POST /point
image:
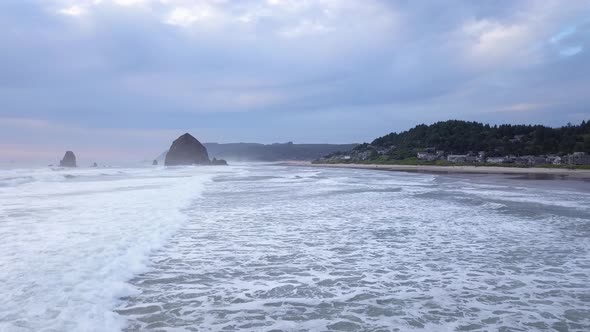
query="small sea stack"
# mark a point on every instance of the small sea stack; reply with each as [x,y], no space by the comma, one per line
[155,163]
[187,150]
[219,162]
[69,160]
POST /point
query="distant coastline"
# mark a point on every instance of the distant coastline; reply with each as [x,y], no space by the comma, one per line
[464,143]
[582,174]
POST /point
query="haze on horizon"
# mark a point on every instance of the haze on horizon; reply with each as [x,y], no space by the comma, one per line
[120,79]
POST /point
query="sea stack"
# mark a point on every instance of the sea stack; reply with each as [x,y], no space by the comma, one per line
[218,162]
[69,160]
[187,150]
[155,162]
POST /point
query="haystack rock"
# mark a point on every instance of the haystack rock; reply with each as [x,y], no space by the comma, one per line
[187,150]
[69,160]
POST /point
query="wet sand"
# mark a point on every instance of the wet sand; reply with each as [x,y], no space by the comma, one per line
[523,173]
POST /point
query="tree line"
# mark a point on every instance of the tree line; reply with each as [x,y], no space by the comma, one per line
[460,137]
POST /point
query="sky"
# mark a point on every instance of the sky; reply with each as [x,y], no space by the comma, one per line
[121,79]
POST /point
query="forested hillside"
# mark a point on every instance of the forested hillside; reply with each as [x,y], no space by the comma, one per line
[459,137]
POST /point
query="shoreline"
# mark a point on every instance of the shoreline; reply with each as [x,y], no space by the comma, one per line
[578,174]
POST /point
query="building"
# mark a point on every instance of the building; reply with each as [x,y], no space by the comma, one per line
[496,160]
[510,159]
[531,160]
[554,160]
[481,157]
[457,158]
[427,156]
[577,158]
[537,160]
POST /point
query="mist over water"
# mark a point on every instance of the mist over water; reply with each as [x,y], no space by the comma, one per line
[276,248]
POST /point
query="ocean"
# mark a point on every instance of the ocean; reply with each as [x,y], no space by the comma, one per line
[255,247]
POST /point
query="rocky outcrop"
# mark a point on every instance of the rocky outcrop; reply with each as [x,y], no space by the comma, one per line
[187,150]
[155,162]
[218,162]
[69,160]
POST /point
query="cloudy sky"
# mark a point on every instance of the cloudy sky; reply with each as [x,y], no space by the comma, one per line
[120,79]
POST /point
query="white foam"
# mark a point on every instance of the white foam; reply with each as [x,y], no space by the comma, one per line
[339,251]
[264,249]
[70,243]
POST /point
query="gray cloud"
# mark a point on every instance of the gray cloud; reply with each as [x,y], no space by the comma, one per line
[278,70]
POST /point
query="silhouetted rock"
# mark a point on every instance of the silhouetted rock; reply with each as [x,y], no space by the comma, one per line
[69,160]
[187,150]
[94,165]
[218,162]
[155,162]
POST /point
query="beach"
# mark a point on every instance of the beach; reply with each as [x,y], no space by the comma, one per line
[531,171]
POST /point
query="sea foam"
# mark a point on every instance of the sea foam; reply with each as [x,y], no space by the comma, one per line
[268,248]
[294,249]
[70,243]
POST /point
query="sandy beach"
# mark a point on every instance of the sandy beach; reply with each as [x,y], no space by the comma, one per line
[533,171]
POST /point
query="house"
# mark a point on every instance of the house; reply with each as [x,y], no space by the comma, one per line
[457,158]
[531,160]
[510,159]
[539,160]
[522,161]
[554,160]
[496,160]
[427,156]
[481,157]
[577,158]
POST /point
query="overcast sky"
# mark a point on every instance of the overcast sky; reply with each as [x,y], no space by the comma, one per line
[120,79]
